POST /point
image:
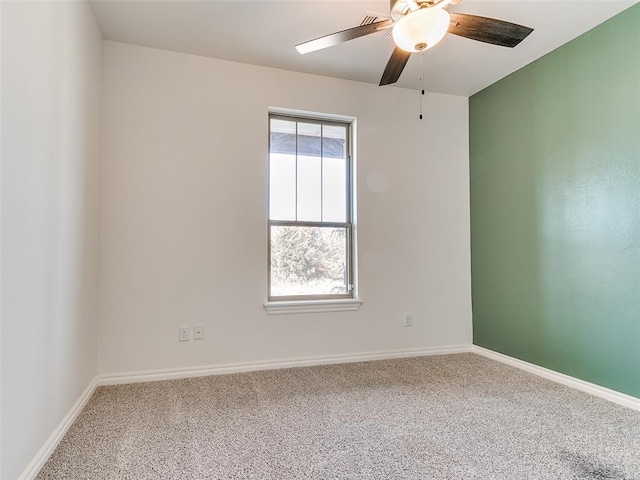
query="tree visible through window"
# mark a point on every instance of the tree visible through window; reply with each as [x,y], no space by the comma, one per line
[310,230]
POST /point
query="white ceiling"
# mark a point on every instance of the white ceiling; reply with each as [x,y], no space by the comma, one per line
[265,32]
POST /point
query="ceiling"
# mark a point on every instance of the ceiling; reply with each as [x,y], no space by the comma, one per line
[265,32]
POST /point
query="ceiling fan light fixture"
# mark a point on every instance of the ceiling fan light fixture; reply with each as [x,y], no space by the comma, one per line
[422,29]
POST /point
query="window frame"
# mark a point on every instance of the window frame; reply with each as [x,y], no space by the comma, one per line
[348,225]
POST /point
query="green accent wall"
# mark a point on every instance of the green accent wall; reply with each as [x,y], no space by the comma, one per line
[555,209]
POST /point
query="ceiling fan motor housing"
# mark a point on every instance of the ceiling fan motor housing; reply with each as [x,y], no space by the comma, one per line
[398,9]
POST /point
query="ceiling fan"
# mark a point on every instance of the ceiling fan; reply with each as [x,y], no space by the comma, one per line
[419,25]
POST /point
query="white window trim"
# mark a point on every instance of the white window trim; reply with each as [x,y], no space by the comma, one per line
[312,306]
[282,307]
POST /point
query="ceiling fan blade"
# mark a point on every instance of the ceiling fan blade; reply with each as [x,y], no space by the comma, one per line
[395,65]
[488,30]
[342,36]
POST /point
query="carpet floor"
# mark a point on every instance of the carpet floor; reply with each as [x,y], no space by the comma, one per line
[442,417]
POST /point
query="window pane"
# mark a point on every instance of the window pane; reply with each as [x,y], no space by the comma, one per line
[334,190]
[309,188]
[334,173]
[282,186]
[283,136]
[308,261]
[309,172]
[334,141]
[309,139]
[282,170]
[309,179]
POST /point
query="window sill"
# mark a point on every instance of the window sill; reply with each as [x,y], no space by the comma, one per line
[312,306]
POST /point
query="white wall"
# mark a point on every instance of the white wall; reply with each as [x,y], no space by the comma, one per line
[51,128]
[183,237]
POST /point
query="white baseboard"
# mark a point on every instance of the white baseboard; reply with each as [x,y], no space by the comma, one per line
[602,392]
[54,439]
[169,374]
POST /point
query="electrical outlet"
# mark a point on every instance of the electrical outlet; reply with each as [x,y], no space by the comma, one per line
[408,319]
[198,332]
[183,334]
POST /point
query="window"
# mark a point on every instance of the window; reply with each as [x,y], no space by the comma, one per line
[310,209]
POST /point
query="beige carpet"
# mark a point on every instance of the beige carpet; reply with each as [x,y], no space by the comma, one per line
[445,417]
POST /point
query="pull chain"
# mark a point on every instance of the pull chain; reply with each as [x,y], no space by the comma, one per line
[421,81]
